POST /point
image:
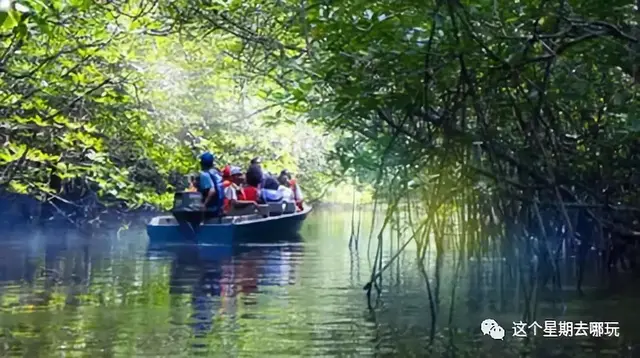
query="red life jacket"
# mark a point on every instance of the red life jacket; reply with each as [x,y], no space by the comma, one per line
[226,174]
[240,193]
[227,205]
[250,193]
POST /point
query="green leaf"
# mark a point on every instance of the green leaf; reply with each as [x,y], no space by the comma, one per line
[80,4]
[43,25]
[8,20]
[21,30]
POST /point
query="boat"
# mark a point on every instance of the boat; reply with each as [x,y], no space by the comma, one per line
[266,223]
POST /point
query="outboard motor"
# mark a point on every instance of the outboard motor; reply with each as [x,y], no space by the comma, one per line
[187,207]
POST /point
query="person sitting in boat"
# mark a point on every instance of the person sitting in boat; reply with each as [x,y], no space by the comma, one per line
[295,188]
[234,193]
[269,191]
[226,176]
[250,192]
[210,186]
[284,188]
[254,174]
[253,179]
[193,183]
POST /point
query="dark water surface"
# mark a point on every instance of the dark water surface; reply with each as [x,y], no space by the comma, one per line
[115,294]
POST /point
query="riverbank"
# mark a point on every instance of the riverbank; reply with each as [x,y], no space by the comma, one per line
[19,210]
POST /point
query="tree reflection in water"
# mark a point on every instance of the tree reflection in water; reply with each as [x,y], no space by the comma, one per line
[217,277]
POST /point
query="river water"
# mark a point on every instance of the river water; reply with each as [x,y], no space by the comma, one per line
[113,293]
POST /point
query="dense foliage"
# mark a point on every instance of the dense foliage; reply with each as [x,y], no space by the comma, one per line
[536,101]
[516,119]
[98,104]
[524,110]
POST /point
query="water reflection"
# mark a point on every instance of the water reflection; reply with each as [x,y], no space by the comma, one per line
[217,277]
[112,293]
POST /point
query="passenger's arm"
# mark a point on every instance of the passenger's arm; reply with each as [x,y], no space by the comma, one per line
[244,202]
[207,183]
[209,198]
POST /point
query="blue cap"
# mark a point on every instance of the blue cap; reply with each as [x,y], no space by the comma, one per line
[207,158]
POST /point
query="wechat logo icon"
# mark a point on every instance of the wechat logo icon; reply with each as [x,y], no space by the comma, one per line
[492,328]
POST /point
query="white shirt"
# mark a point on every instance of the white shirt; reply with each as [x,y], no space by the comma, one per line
[230,193]
[287,194]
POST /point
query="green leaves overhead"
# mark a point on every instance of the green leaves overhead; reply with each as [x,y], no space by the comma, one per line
[109,94]
[548,89]
[545,87]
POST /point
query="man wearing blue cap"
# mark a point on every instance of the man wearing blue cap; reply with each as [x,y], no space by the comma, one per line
[210,186]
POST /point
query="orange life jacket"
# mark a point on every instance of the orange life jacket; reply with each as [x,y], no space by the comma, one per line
[240,195]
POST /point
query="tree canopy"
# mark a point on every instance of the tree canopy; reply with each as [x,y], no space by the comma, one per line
[96,99]
[536,101]
[533,101]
